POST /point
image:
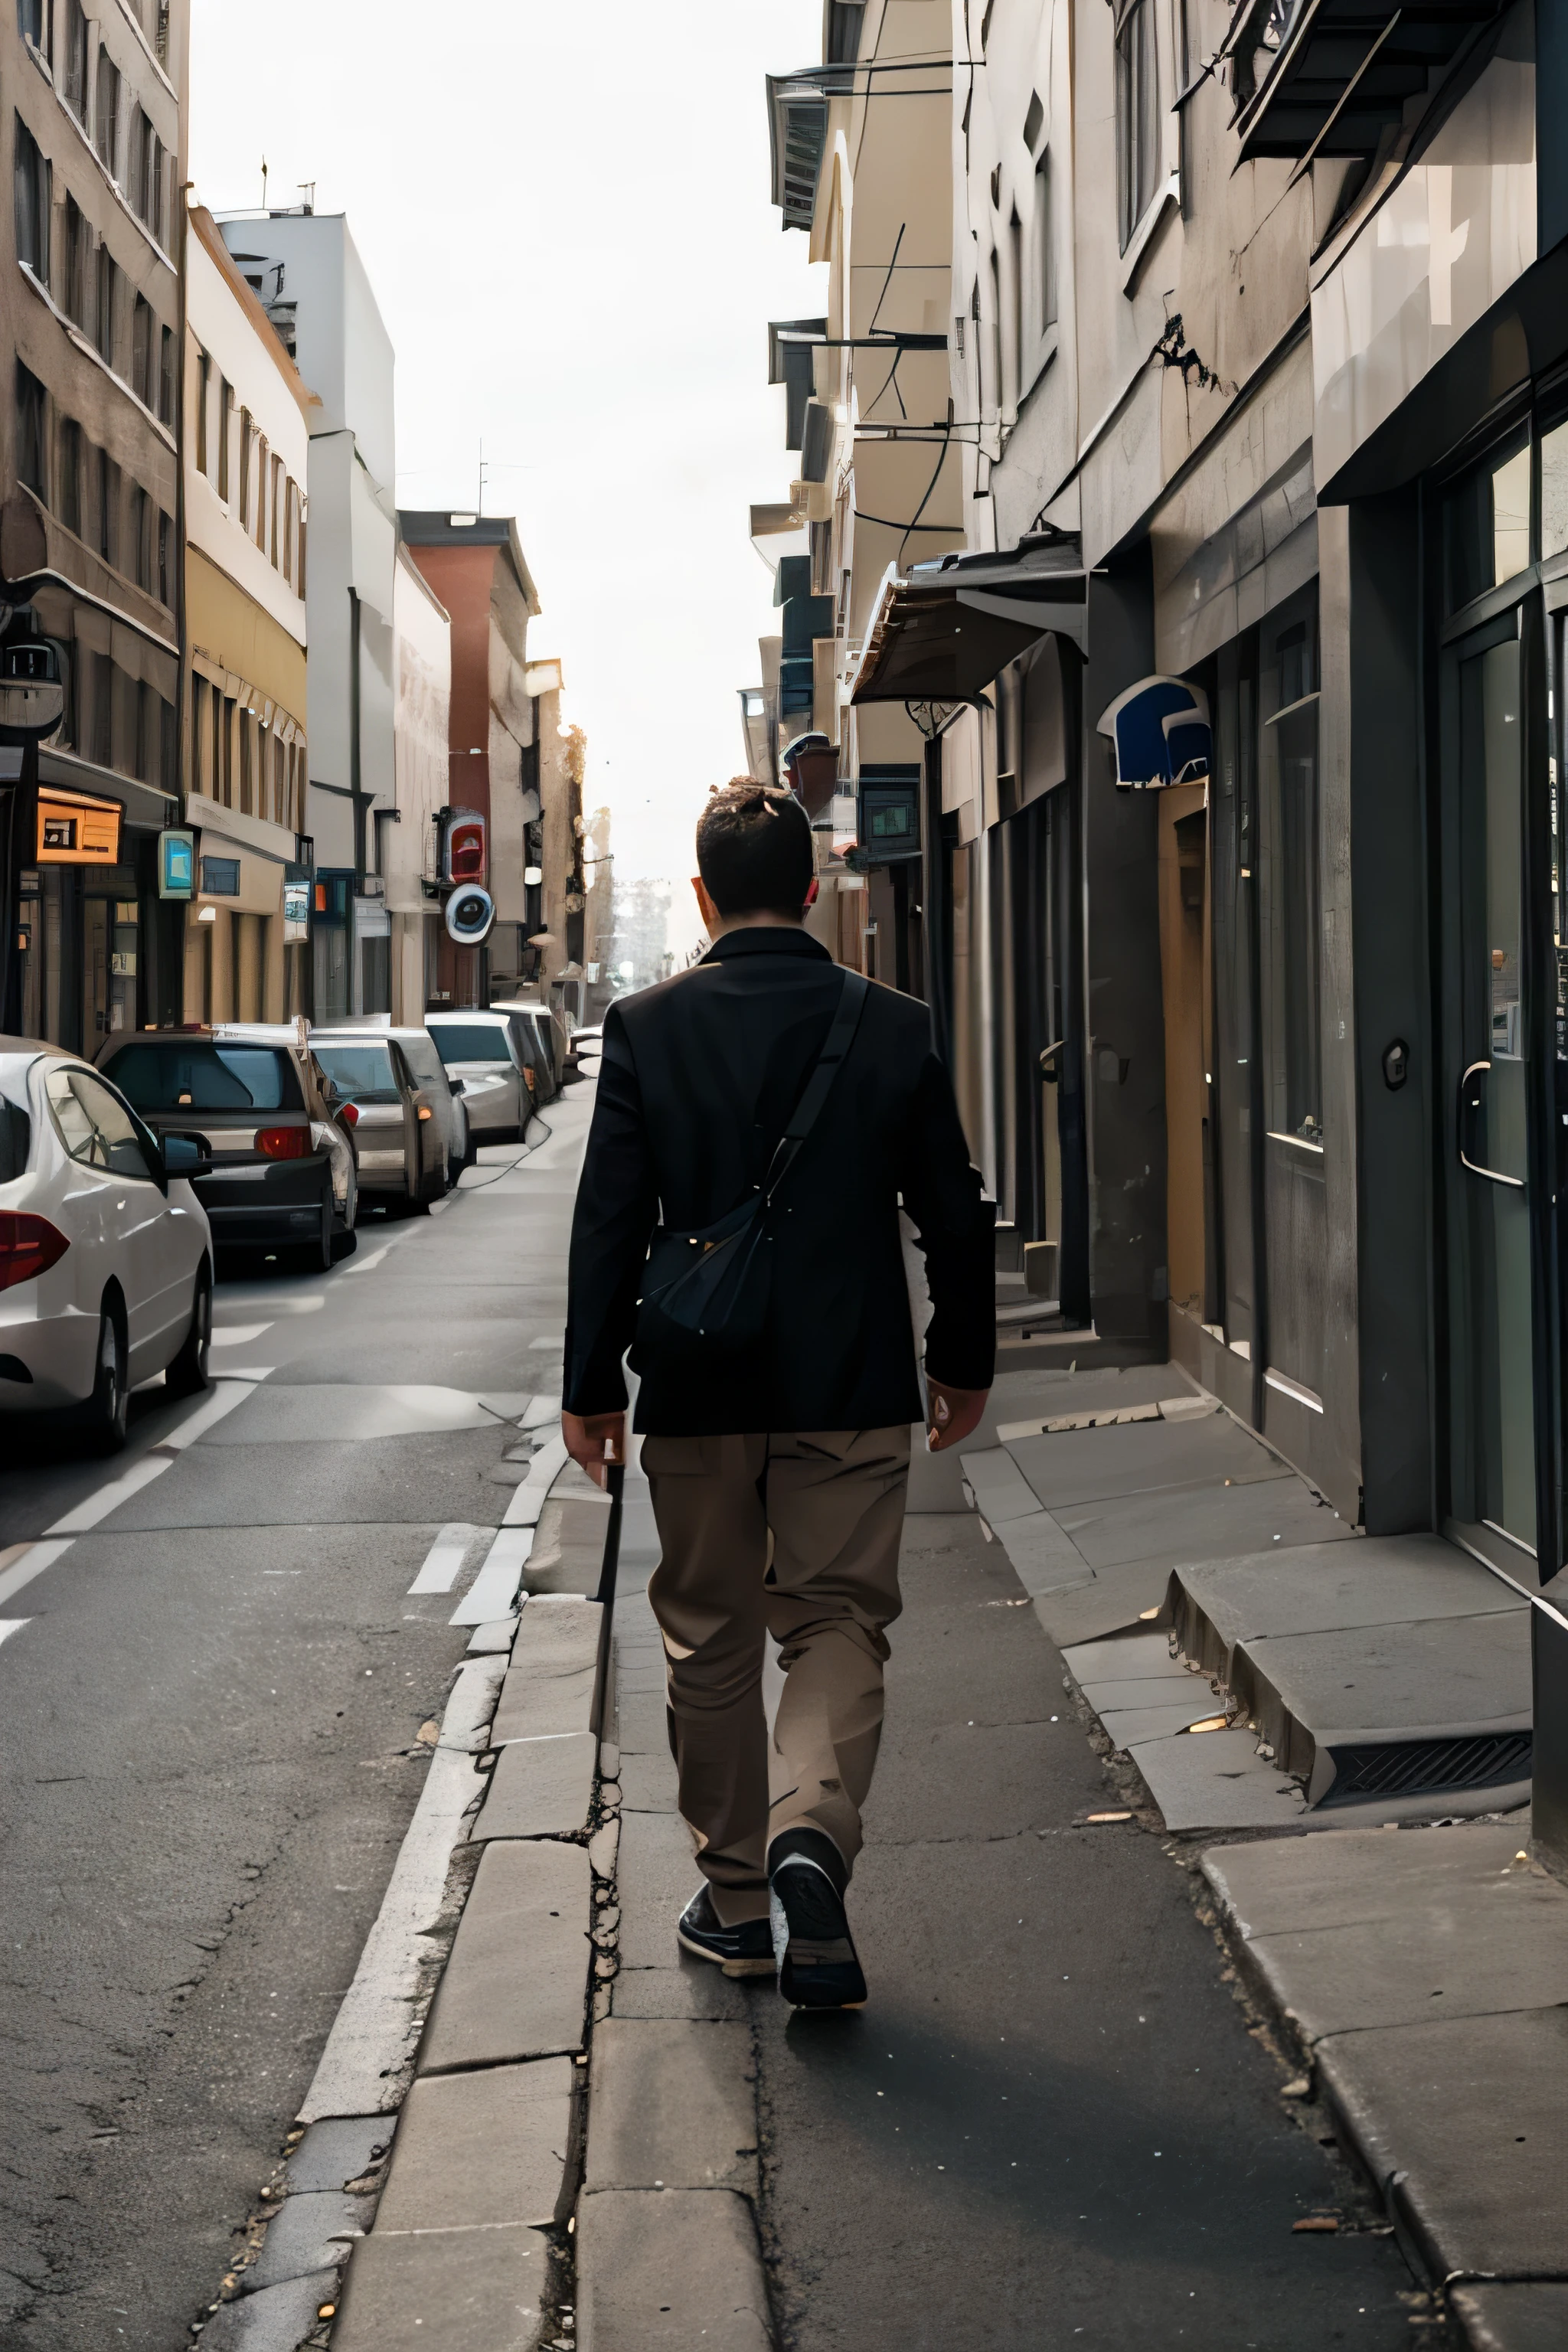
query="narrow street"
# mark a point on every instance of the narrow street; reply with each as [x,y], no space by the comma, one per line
[209,1746]
[1055,2124]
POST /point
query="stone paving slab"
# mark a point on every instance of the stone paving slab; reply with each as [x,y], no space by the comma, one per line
[1128,1726]
[308,2234]
[1112,1597]
[1133,1658]
[1357,1683]
[1522,2316]
[481,2150]
[1203,1523]
[539,1788]
[462,2290]
[671,2106]
[1218,1783]
[1044,1561]
[1068,1466]
[647,1783]
[666,2270]
[1176,1688]
[1385,1581]
[499,1634]
[333,2153]
[1000,1488]
[516,1983]
[549,1686]
[1376,1927]
[276,2320]
[1465,2127]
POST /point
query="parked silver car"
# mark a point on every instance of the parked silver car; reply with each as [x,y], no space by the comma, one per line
[399,1123]
[494,1056]
[542,1025]
[106,1273]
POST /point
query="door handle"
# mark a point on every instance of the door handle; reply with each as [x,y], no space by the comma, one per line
[1472,1107]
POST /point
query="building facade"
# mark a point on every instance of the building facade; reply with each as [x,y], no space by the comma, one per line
[474,565]
[305,271]
[421,751]
[90,172]
[245,765]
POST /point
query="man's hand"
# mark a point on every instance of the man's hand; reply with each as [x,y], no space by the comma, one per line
[954,1413]
[595,1441]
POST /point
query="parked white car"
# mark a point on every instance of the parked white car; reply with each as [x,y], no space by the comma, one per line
[105,1255]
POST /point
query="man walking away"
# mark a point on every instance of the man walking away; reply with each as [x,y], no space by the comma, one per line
[760,1118]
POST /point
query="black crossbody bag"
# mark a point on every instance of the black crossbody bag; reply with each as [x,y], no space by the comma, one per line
[705,1294]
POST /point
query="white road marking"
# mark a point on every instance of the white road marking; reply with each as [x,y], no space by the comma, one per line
[147,1466]
[28,1560]
[444,1561]
[9,1625]
[528,1500]
[541,1410]
[238,1335]
[494,1590]
[369,2049]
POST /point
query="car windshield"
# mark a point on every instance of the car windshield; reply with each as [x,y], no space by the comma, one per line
[359,1072]
[470,1041]
[201,1077]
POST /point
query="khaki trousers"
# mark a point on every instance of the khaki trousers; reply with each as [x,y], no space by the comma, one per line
[797,1535]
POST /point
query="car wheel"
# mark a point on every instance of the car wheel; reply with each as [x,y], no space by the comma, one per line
[189,1374]
[102,1418]
[343,1244]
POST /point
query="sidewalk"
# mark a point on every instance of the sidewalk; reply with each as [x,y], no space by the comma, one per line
[1144,2062]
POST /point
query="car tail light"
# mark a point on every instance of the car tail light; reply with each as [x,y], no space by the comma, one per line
[29,1245]
[283,1142]
[349,1114]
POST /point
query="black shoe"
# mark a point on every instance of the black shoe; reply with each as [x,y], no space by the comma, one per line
[743,1951]
[818,1967]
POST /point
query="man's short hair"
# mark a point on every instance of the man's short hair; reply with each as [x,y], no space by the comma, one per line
[753,849]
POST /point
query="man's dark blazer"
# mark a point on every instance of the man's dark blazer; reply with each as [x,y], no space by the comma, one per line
[698,1080]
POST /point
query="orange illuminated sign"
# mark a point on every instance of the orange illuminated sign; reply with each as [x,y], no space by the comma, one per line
[75,830]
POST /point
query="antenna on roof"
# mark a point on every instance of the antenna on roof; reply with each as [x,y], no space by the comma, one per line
[308,189]
[263,183]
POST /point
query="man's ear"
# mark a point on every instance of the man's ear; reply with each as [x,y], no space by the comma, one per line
[811,893]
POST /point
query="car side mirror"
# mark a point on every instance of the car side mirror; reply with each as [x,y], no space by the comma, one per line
[187,1155]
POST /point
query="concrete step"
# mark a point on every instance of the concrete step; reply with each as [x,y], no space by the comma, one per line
[1385,1671]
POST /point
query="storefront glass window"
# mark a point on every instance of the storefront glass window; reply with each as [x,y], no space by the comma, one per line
[1293,897]
[1485,525]
[1554,491]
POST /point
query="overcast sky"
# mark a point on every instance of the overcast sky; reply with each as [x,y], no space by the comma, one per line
[565,213]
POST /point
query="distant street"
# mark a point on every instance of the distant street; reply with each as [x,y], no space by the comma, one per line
[208,1740]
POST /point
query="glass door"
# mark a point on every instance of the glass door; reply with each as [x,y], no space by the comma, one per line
[1489,1022]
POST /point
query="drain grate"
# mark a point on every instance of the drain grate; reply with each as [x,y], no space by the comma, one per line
[1416,1768]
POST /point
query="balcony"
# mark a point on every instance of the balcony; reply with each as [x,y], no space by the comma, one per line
[1330,77]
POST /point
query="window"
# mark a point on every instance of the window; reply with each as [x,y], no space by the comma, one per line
[204,394]
[141,537]
[32,19]
[225,431]
[106,326]
[1137,114]
[206,1077]
[247,764]
[74,74]
[244,433]
[1045,259]
[100,721]
[32,458]
[32,173]
[844,21]
[106,118]
[136,160]
[168,748]
[77,260]
[1485,524]
[108,509]
[142,350]
[276,505]
[259,530]
[94,1126]
[1291,903]
[166,375]
[164,528]
[71,475]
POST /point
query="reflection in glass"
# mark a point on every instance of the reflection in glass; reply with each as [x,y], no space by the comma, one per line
[1554,491]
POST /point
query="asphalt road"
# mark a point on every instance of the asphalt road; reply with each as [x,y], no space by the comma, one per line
[208,1750]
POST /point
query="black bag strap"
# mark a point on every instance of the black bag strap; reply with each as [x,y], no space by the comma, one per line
[852,999]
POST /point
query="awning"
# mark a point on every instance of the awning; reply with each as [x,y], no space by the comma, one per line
[1336,74]
[944,630]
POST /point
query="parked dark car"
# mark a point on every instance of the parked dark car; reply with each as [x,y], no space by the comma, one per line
[282,1173]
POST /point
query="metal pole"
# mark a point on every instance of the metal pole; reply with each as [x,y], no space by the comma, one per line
[615,1480]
